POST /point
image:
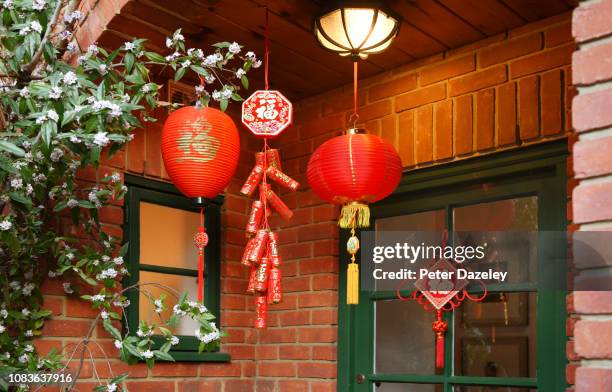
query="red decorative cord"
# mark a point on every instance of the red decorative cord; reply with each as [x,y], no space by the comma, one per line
[267,48]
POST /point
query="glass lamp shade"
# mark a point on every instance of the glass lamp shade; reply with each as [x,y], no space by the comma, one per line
[356,31]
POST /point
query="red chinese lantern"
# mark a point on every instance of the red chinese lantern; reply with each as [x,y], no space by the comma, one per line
[200,149]
[354,170]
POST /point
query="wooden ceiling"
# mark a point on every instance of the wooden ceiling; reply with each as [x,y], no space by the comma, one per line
[298,65]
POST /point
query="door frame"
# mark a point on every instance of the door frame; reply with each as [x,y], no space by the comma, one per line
[547,160]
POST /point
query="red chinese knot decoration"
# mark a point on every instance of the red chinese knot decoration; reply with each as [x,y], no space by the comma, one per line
[200,148]
[267,113]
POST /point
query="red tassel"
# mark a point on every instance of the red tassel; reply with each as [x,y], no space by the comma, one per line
[439,327]
[201,240]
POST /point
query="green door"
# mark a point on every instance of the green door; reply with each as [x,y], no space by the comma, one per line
[513,341]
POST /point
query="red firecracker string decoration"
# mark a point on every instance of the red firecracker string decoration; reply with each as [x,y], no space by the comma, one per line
[200,149]
[266,114]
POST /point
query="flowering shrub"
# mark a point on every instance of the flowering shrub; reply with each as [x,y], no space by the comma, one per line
[58,116]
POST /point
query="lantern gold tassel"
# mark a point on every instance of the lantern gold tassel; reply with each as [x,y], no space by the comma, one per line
[352,275]
[354,214]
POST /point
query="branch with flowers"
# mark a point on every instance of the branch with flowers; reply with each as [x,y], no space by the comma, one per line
[58,117]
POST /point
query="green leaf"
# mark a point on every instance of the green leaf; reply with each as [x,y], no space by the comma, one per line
[112,330]
[165,331]
[223,104]
[124,249]
[245,82]
[129,61]
[10,147]
[179,74]
[222,44]
[20,198]
[199,70]
[120,379]
[86,204]
[60,206]
[162,355]
[132,350]
[155,57]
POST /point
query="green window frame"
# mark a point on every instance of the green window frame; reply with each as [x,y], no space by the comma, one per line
[140,190]
[538,170]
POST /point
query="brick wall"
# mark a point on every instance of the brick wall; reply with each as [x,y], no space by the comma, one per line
[499,93]
[590,349]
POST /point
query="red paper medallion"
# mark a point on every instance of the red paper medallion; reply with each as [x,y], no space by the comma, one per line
[267,113]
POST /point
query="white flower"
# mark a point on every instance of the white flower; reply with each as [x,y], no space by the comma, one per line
[147,354]
[29,189]
[185,64]
[56,154]
[28,288]
[29,348]
[118,260]
[216,95]
[118,344]
[74,16]
[35,26]
[105,258]
[169,42]
[112,387]
[178,311]
[75,139]
[174,341]
[25,312]
[23,358]
[103,69]
[159,305]
[93,49]
[69,78]
[70,256]
[104,314]
[81,60]
[101,139]
[250,55]
[17,183]
[67,287]
[207,338]
[234,48]
[29,333]
[52,274]
[65,35]
[8,4]
[52,115]
[72,46]
[129,46]
[210,60]
[55,93]
[226,93]
[108,273]
[2,328]
[116,177]
[98,298]
[5,225]
[202,308]
[256,64]
[3,313]
[240,73]
[15,285]
[39,5]
[210,79]
[24,92]
[146,88]
[178,36]
[200,89]
[72,203]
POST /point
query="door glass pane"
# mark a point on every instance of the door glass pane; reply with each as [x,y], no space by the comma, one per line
[480,388]
[395,387]
[404,340]
[508,230]
[186,326]
[424,221]
[497,337]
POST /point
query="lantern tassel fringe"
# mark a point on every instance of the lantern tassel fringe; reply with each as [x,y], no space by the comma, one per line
[352,284]
[354,213]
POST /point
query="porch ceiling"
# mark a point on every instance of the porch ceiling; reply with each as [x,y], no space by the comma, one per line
[299,66]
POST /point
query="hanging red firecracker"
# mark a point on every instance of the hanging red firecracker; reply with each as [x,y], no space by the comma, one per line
[266,114]
[439,296]
[200,149]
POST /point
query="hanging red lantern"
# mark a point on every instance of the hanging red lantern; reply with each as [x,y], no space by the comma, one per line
[354,170]
[200,149]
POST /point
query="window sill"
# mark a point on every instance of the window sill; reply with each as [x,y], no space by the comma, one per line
[194,356]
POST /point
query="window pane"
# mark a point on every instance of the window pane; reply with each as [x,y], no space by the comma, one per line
[395,387]
[179,283]
[404,339]
[423,221]
[166,236]
[479,388]
[497,337]
[509,214]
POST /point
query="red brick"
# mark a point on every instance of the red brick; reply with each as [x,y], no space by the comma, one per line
[510,49]
[327,212]
[284,335]
[592,111]
[506,114]
[200,386]
[393,87]
[341,101]
[592,20]
[324,353]
[477,80]
[593,302]
[406,138]
[111,214]
[389,130]
[375,110]
[232,369]
[317,370]
[153,164]
[318,299]
[557,35]
[424,134]
[293,386]
[276,369]
[542,61]
[323,386]
[552,102]
[76,307]
[591,65]
[150,386]
[296,284]
[592,157]
[319,265]
[325,282]
[325,247]
[325,317]
[238,319]
[296,251]
[117,160]
[66,328]
[570,373]
[591,202]
[266,352]
[166,369]
[593,339]
[321,126]
[485,119]
[294,352]
[420,97]
[592,379]
[118,367]
[443,130]
[463,125]
[447,70]
[44,346]
[528,105]
[317,335]
[55,304]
